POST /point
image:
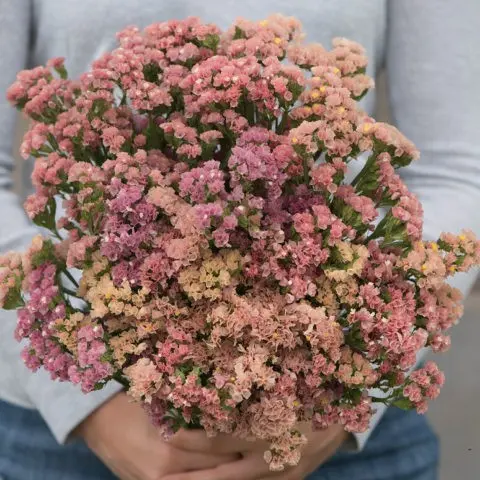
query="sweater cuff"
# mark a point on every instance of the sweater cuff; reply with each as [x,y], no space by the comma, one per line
[62,405]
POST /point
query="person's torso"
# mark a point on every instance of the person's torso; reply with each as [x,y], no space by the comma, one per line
[81,30]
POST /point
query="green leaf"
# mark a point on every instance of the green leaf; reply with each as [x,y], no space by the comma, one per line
[180,373]
[107,357]
[155,136]
[211,41]
[386,297]
[242,289]
[151,72]
[21,102]
[239,33]
[296,90]
[353,394]
[53,141]
[46,254]
[444,245]
[354,338]
[357,98]
[99,107]
[46,219]
[62,71]
[294,235]
[403,403]
[243,222]
[13,299]
[286,261]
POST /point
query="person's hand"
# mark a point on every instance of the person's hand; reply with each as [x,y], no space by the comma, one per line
[320,447]
[122,436]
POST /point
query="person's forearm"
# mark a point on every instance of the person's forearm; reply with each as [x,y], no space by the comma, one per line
[62,405]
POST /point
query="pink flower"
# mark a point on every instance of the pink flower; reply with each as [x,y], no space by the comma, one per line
[221,237]
[204,182]
[56,62]
[322,176]
[145,379]
[35,205]
[77,251]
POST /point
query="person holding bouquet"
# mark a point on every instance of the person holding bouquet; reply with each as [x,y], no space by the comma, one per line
[432,80]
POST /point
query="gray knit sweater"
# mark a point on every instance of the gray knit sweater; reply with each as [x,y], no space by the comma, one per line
[430,49]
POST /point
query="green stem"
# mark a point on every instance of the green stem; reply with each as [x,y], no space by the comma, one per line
[378,232]
[57,234]
[306,171]
[120,379]
[250,112]
[70,277]
[381,400]
[70,292]
[365,169]
[283,123]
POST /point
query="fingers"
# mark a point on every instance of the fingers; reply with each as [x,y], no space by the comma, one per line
[192,440]
[290,475]
[252,467]
[197,441]
[198,460]
[312,460]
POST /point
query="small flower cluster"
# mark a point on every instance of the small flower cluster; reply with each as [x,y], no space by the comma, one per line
[423,385]
[231,278]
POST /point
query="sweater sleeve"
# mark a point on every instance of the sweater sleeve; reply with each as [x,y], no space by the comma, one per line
[62,405]
[433,69]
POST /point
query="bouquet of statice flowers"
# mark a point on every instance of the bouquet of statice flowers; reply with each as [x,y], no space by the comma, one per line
[230,276]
